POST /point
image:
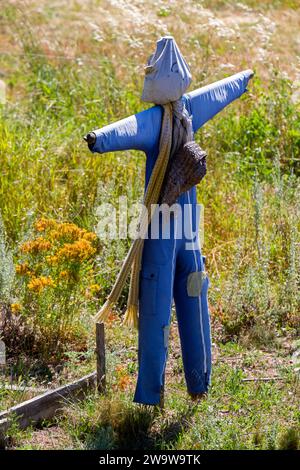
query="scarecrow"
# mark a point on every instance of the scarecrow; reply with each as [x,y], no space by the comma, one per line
[166,268]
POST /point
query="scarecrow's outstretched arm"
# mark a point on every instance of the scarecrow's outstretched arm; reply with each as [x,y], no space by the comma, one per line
[137,132]
[207,101]
[141,131]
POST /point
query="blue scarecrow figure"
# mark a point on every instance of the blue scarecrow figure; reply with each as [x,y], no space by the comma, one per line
[171,267]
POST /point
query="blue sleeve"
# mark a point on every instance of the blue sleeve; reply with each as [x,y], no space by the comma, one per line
[206,102]
[138,132]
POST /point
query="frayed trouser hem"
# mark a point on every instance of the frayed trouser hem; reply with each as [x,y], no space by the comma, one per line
[150,398]
[146,401]
[201,387]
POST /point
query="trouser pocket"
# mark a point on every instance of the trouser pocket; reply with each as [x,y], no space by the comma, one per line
[195,282]
[148,289]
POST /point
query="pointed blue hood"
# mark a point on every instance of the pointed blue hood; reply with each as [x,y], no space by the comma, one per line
[167,75]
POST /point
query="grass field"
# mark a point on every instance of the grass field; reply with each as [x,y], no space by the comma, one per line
[70,67]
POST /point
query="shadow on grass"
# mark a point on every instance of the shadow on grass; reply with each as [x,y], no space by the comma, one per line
[136,428]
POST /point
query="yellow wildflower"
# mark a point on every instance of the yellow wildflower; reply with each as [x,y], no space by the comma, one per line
[42,224]
[54,234]
[16,308]
[90,236]
[52,259]
[37,284]
[70,230]
[34,246]
[124,382]
[94,288]
[22,269]
[79,250]
[64,274]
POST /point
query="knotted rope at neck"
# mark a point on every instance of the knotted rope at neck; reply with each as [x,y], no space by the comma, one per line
[170,141]
[182,126]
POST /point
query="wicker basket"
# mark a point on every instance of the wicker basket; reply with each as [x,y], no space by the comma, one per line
[185,170]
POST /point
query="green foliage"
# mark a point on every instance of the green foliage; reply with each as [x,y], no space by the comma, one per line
[251,196]
[254,157]
[264,136]
[7,271]
[289,440]
[55,286]
[235,415]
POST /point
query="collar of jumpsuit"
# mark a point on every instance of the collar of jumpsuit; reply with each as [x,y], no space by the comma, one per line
[169,269]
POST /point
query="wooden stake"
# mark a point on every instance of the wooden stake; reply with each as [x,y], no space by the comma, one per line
[100,352]
[3,427]
[162,398]
[162,393]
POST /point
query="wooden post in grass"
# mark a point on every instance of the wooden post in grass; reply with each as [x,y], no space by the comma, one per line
[100,352]
[162,398]
[162,394]
[2,358]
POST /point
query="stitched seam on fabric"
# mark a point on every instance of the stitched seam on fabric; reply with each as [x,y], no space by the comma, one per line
[173,259]
[166,335]
[173,267]
[199,298]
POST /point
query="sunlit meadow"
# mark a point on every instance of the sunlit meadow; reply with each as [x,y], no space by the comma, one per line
[71,67]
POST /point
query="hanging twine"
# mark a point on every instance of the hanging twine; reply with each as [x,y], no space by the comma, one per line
[134,256]
[176,130]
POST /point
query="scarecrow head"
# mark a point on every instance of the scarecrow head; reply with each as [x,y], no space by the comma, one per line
[167,75]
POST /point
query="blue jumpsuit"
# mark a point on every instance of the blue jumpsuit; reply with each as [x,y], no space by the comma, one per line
[170,270]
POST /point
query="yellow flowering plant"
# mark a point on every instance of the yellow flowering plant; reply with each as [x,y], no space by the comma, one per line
[56,277]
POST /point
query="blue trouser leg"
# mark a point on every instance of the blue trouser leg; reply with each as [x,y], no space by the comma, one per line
[156,285]
[190,295]
[166,269]
[155,301]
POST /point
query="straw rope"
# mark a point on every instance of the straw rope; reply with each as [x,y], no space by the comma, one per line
[133,259]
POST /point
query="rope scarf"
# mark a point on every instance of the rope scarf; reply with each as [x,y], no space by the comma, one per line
[182,126]
[176,129]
